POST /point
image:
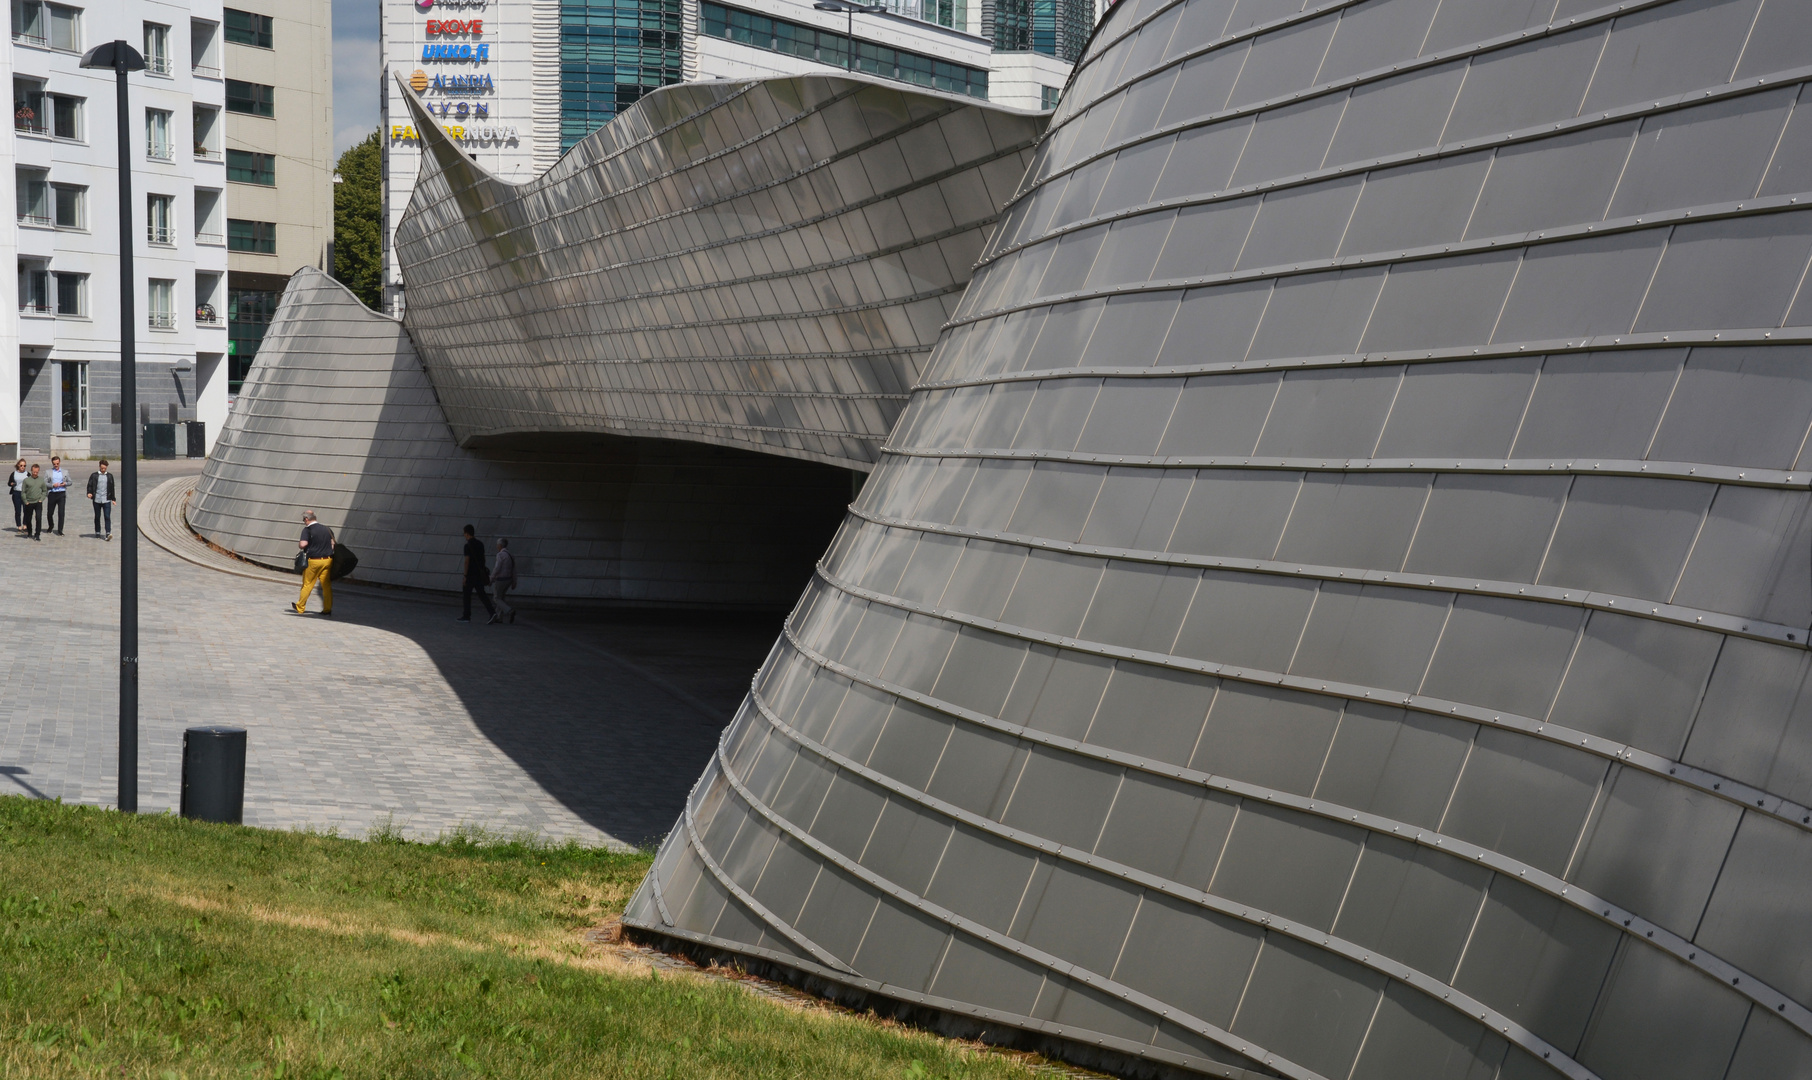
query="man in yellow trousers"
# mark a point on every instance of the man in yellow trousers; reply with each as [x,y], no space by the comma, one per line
[317,544]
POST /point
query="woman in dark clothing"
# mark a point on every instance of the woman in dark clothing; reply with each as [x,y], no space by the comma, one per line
[15,483]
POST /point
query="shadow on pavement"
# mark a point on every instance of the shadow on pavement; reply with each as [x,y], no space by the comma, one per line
[614,713]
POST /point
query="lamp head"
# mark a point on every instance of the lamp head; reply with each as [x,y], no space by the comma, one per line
[114,54]
[821,5]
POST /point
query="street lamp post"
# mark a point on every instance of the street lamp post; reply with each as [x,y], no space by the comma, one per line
[123,58]
[850,10]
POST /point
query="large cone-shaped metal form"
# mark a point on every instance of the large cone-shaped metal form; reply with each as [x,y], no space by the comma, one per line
[1336,605]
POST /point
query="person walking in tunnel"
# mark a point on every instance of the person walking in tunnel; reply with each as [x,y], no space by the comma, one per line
[104,493]
[473,577]
[317,544]
[503,579]
[35,490]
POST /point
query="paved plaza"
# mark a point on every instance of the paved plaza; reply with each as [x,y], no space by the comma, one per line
[569,724]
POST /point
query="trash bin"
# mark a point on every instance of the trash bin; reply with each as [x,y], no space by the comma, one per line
[160,441]
[198,438]
[213,774]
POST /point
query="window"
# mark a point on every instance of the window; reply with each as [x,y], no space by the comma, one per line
[34,288]
[259,237]
[72,294]
[205,123]
[253,99]
[160,220]
[47,25]
[1049,96]
[34,197]
[66,117]
[207,217]
[160,311]
[206,285]
[30,107]
[246,167]
[249,314]
[157,49]
[157,135]
[246,28]
[203,59]
[826,47]
[74,387]
[71,205]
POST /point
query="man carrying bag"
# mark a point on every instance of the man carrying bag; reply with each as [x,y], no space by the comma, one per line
[314,557]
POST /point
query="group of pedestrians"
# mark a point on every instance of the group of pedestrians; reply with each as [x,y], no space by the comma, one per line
[317,546]
[39,495]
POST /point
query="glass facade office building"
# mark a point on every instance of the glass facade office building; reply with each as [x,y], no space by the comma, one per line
[612,53]
[1057,28]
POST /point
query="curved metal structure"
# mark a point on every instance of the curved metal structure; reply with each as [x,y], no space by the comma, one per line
[1336,605]
[762,264]
[338,416]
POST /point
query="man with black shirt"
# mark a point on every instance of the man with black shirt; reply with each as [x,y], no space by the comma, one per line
[101,489]
[473,577]
[317,544]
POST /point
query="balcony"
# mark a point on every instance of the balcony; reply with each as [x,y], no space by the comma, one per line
[204,71]
[161,320]
[27,38]
[158,65]
[160,234]
[205,315]
[157,151]
[207,153]
[43,221]
[37,309]
[211,239]
[27,121]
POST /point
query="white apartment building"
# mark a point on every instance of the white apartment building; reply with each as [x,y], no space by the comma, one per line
[517,82]
[60,345]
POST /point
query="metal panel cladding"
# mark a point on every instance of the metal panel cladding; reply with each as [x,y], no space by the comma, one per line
[337,416]
[763,265]
[1336,604]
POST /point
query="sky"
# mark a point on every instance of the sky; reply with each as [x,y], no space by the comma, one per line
[355,72]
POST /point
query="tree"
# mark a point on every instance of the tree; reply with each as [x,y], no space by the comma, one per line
[358,208]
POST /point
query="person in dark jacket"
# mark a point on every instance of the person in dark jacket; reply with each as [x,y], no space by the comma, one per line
[103,491]
[36,490]
[473,578]
[15,483]
[317,543]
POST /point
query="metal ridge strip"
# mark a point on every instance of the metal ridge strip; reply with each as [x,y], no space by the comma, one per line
[1555,887]
[1519,136]
[779,925]
[1791,335]
[1655,222]
[960,1008]
[1680,615]
[1480,48]
[1740,476]
[1157,1009]
[1710,783]
[1433,988]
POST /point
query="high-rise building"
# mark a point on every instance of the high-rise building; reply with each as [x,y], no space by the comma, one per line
[279,159]
[518,82]
[61,349]
[231,122]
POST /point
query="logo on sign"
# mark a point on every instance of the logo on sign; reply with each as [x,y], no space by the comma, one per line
[425,6]
[462,84]
[418,80]
[475,53]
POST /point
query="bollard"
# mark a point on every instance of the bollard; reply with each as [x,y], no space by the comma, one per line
[213,774]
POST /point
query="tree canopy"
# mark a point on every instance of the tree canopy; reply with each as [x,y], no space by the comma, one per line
[358,208]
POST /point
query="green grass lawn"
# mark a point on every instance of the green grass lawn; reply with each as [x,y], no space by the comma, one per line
[153,947]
